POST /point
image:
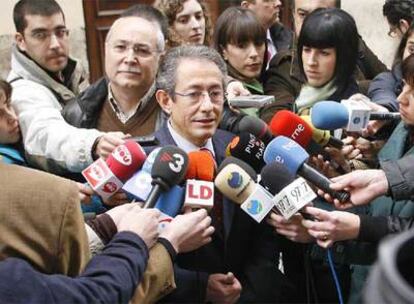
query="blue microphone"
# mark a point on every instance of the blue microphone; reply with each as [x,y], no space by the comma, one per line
[329,115]
[139,185]
[170,204]
[289,153]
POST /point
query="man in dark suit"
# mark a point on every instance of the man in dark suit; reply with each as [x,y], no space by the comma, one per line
[241,261]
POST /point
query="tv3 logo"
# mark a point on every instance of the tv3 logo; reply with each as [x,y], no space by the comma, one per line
[176,161]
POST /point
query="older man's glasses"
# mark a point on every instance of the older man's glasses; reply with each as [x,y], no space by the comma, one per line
[196,97]
[139,50]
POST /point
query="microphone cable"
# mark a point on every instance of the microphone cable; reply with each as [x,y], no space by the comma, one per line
[334,275]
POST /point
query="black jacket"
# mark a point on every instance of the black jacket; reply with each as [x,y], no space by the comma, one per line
[81,111]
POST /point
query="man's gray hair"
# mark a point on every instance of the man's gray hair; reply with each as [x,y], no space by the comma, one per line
[167,72]
[150,14]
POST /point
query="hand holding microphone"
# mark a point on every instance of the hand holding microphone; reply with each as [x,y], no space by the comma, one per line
[189,231]
[107,178]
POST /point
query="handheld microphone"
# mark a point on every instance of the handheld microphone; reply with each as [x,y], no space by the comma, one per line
[323,137]
[247,148]
[170,204]
[257,127]
[291,125]
[351,115]
[149,162]
[106,178]
[139,185]
[200,174]
[275,177]
[290,194]
[201,165]
[237,185]
[294,157]
[169,169]
[232,160]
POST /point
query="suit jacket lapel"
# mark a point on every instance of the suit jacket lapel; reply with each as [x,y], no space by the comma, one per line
[228,206]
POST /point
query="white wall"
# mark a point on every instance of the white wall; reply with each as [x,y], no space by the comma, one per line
[373,27]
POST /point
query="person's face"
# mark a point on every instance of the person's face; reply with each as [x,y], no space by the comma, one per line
[305,7]
[246,59]
[131,54]
[9,125]
[267,11]
[319,65]
[190,23]
[45,40]
[406,101]
[196,119]
[409,47]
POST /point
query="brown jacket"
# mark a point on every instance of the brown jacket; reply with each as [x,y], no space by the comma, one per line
[41,221]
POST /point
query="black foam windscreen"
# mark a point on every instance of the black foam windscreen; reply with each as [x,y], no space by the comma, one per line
[257,127]
[169,166]
[232,160]
[275,177]
[249,149]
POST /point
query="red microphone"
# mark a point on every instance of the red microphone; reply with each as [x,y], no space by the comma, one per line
[106,178]
[291,125]
[200,174]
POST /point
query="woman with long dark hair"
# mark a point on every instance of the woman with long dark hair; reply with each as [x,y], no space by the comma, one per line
[327,53]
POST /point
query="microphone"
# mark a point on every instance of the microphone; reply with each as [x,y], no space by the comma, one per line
[201,165]
[294,157]
[290,194]
[149,162]
[170,204]
[384,116]
[275,177]
[349,114]
[248,148]
[169,168]
[139,185]
[257,127]
[291,125]
[238,186]
[106,178]
[200,174]
[323,137]
[232,160]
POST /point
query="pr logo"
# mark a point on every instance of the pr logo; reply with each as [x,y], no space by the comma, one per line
[234,180]
[254,207]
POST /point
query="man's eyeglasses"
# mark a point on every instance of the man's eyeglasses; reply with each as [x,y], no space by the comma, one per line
[44,35]
[216,96]
[138,50]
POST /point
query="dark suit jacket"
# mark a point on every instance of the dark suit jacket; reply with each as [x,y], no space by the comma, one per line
[247,249]
[282,37]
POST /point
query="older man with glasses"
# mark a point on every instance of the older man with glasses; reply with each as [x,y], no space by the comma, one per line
[239,265]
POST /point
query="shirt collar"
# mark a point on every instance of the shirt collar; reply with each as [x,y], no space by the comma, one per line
[124,117]
[185,144]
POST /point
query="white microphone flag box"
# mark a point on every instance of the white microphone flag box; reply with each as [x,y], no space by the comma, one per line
[101,179]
